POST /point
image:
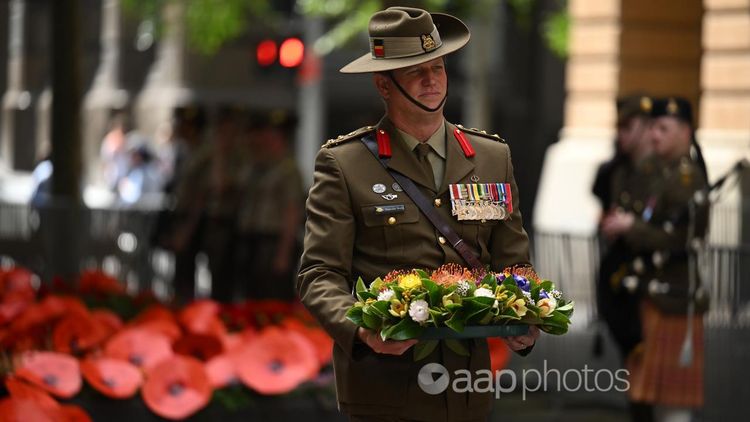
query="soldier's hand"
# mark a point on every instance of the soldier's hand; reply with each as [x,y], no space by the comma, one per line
[617,223]
[387,347]
[517,343]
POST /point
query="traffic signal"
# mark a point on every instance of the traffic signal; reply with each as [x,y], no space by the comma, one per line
[289,53]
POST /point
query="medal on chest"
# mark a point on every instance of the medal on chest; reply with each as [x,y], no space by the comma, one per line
[481,201]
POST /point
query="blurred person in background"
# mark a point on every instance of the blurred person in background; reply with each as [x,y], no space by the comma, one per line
[113,154]
[218,191]
[142,182]
[618,190]
[178,228]
[270,216]
[666,367]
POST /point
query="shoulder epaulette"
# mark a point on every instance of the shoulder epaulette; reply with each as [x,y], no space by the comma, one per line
[482,133]
[348,137]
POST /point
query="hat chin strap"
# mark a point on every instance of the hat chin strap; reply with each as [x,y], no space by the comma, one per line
[415,102]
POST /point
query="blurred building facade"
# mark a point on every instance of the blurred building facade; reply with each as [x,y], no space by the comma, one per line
[690,48]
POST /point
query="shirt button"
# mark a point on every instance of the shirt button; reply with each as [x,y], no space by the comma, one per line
[442,240]
[438,202]
[391,220]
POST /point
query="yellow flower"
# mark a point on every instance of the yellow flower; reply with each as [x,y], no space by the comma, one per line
[519,307]
[546,306]
[409,281]
[398,309]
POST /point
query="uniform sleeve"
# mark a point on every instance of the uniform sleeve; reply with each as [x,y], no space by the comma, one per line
[323,282]
[509,244]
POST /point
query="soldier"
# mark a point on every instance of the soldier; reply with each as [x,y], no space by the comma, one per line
[270,215]
[619,190]
[666,369]
[361,222]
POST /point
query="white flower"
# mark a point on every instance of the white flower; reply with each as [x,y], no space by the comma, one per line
[527,295]
[546,306]
[483,292]
[386,295]
[556,294]
[419,311]
[462,288]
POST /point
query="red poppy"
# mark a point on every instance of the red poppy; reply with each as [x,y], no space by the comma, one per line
[276,361]
[166,327]
[25,410]
[499,353]
[22,390]
[95,281]
[232,341]
[320,339]
[155,311]
[18,282]
[56,373]
[199,346]
[56,306]
[112,377]
[11,309]
[221,370]
[77,333]
[108,320]
[142,348]
[177,388]
[202,317]
[73,413]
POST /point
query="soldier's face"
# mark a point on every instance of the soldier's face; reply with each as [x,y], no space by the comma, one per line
[670,136]
[426,83]
[631,135]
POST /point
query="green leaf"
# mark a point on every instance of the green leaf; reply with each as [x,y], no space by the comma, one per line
[567,307]
[422,274]
[433,290]
[376,286]
[547,285]
[424,348]
[490,280]
[457,347]
[456,322]
[360,287]
[381,308]
[354,314]
[406,329]
[371,321]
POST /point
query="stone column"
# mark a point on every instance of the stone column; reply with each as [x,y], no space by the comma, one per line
[165,86]
[725,109]
[17,113]
[106,93]
[310,106]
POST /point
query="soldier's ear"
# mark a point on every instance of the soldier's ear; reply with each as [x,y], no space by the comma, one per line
[382,84]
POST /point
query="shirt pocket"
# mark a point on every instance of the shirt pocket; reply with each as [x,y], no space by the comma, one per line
[477,234]
[389,225]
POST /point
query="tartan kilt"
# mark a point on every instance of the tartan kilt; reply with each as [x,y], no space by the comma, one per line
[656,376]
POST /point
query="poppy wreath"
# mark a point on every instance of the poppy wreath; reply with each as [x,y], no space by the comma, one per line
[405,304]
[178,358]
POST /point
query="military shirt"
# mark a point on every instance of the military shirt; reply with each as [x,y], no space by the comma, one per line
[437,153]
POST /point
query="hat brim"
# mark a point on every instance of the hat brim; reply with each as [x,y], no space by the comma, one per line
[453,33]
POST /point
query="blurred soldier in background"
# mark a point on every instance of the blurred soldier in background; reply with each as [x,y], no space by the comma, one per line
[271,212]
[618,189]
[666,368]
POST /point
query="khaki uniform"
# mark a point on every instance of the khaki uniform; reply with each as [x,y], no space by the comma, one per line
[346,238]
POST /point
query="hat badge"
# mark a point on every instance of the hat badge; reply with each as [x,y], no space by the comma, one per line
[646,104]
[672,107]
[428,43]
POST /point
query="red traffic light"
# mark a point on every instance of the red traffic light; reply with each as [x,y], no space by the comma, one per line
[291,52]
[266,52]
